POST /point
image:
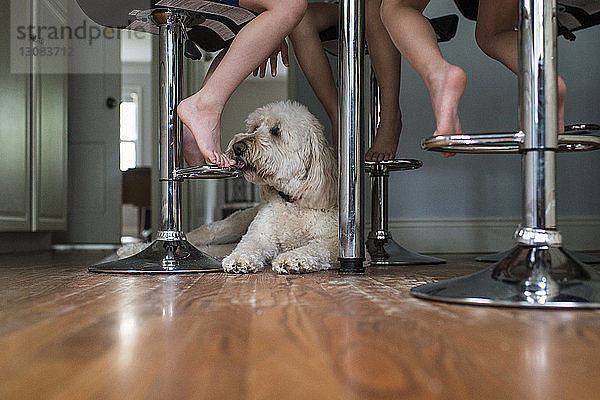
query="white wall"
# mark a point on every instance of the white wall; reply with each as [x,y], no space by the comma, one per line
[139,71]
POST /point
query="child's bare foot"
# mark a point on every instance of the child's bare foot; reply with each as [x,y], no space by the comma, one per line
[446,90]
[191,152]
[562,94]
[386,140]
[204,124]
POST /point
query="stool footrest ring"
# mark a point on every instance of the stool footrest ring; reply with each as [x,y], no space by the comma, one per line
[205,172]
[396,164]
[508,142]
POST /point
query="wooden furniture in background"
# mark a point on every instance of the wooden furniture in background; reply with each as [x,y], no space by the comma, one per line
[137,192]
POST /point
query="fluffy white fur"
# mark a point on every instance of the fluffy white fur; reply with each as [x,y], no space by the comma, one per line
[287,155]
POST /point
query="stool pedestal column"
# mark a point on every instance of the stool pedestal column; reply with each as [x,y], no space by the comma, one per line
[350,98]
[538,272]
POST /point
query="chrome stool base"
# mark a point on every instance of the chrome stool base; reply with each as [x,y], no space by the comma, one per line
[163,257]
[388,252]
[381,246]
[581,257]
[538,277]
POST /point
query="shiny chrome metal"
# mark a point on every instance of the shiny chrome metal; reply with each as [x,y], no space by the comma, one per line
[171,89]
[538,237]
[582,129]
[170,236]
[388,252]
[380,244]
[581,257]
[205,172]
[537,76]
[507,142]
[538,110]
[539,196]
[579,142]
[161,16]
[351,65]
[397,164]
[530,276]
[501,142]
[170,252]
[163,257]
[538,272]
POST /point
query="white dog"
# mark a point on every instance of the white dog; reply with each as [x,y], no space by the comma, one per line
[296,227]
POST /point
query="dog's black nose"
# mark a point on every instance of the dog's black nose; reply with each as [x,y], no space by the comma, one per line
[239,148]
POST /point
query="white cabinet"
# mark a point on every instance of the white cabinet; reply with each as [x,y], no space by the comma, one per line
[33,132]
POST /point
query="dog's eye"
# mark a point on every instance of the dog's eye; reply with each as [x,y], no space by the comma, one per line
[275,131]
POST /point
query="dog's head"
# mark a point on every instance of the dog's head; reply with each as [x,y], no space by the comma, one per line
[284,150]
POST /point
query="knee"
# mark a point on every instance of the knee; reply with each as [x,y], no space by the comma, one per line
[305,28]
[562,89]
[490,41]
[385,11]
[388,9]
[485,41]
[293,11]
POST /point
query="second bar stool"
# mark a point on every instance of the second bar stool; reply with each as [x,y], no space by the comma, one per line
[382,248]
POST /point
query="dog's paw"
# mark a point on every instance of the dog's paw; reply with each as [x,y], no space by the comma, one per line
[240,264]
[290,264]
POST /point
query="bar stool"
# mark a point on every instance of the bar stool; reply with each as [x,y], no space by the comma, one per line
[170,252]
[382,248]
[570,18]
[538,272]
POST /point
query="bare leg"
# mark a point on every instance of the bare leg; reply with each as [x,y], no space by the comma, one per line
[385,60]
[415,38]
[497,38]
[312,58]
[191,151]
[201,112]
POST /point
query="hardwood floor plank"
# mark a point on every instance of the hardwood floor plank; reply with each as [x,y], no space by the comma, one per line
[67,333]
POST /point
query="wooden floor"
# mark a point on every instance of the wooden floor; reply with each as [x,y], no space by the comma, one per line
[69,334]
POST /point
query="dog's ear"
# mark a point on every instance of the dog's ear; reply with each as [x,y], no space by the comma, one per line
[319,189]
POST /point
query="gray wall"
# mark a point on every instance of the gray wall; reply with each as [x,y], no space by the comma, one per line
[473,188]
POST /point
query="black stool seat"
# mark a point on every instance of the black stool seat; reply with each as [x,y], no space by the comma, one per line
[213,29]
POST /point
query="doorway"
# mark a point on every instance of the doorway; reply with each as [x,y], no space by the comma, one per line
[136,135]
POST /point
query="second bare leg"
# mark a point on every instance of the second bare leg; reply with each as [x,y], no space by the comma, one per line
[497,37]
[385,60]
[415,38]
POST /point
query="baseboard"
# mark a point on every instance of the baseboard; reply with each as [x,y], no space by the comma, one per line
[486,235]
[84,246]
